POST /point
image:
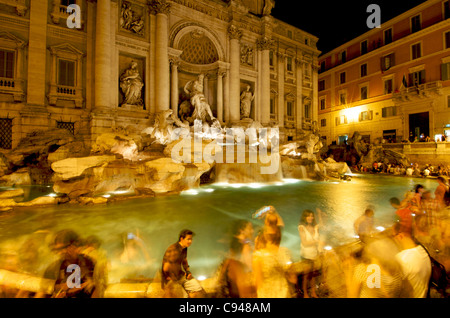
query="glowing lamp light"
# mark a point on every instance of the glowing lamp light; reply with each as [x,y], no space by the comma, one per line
[380,228]
[106,195]
[190,192]
[201,277]
[53,195]
[328,248]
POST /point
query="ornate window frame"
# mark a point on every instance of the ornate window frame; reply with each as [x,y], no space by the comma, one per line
[19,5]
[60,92]
[16,84]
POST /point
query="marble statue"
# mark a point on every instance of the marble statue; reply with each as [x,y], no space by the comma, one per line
[268,6]
[131,84]
[202,110]
[246,102]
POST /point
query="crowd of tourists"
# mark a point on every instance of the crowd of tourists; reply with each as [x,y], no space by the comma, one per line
[413,170]
[394,263]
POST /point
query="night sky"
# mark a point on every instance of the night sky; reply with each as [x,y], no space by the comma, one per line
[336,22]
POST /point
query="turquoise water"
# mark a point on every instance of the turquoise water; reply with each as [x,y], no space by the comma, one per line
[209,212]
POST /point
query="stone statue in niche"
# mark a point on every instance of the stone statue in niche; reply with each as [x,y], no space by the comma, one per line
[246,102]
[130,21]
[131,84]
[202,110]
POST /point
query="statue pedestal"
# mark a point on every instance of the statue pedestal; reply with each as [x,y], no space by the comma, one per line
[246,123]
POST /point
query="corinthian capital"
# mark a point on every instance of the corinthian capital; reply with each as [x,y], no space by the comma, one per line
[234,32]
[264,43]
[159,6]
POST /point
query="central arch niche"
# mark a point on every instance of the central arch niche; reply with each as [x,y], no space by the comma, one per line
[197,48]
[199,52]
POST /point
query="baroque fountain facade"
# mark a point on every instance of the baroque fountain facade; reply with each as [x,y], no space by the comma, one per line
[105,110]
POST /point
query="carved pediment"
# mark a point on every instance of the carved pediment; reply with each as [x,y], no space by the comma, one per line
[64,49]
[10,40]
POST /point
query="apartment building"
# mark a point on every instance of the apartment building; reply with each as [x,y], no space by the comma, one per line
[392,82]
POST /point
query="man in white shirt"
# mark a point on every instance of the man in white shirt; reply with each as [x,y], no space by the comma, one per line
[415,264]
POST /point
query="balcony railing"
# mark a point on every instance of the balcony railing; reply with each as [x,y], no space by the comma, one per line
[12,86]
[419,91]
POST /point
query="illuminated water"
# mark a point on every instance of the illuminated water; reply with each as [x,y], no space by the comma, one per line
[210,210]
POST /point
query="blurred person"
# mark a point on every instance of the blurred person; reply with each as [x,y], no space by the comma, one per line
[439,193]
[131,260]
[415,264]
[431,208]
[272,267]
[378,257]
[92,248]
[364,225]
[234,274]
[310,247]
[175,268]
[415,201]
[67,245]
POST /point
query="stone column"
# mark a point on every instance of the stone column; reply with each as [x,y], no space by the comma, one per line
[102,57]
[280,63]
[162,70]
[264,46]
[205,88]
[174,87]
[226,97]
[315,86]
[37,52]
[299,69]
[234,75]
[220,75]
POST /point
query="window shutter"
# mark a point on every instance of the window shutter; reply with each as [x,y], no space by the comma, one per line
[336,119]
[371,115]
[410,79]
[394,110]
[383,112]
[422,76]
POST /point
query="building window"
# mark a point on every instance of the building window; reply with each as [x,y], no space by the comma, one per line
[387,62]
[364,47]
[289,64]
[417,78]
[66,73]
[342,98]
[321,85]
[5,133]
[290,109]
[447,40]
[323,123]
[388,86]
[364,92]
[307,111]
[388,36]
[6,64]
[448,101]
[66,125]
[415,24]
[365,115]
[445,71]
[271,58]
[272,106]
[389,111]
[341,120]
[322,103]
[446,9]
[343,56]
[306,41]
[289,34]
[364,70]
[322,67]
[416,51]
[342,78]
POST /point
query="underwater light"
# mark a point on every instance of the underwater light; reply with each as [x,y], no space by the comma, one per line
[328,248]
[52,195]
[380,228]
[190,192]
[209,190]
[201,277]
